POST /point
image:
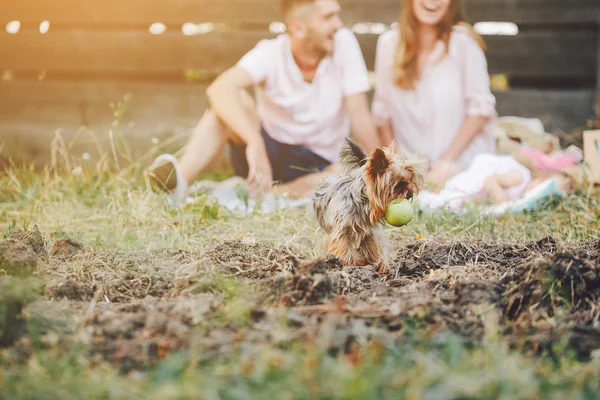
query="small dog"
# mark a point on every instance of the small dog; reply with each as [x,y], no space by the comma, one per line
[351,207]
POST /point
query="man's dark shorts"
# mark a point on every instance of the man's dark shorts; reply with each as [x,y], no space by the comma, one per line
[288,162]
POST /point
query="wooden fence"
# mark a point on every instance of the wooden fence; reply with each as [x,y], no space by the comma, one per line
[67,72]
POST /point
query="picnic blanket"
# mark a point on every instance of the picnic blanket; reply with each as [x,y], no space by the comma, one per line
[232,195]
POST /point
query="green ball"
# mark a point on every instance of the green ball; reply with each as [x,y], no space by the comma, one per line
[399,212]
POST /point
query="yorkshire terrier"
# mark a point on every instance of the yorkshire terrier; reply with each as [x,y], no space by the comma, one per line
[351,207]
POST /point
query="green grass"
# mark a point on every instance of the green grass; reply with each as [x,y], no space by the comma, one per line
[108,207]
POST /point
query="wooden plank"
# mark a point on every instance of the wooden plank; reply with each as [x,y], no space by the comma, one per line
[176,12]
[533,11]
[537,54]
[598,77]
[135,12]
[563,110]
[92,101]
[31,112]
[123,51]
[543,53]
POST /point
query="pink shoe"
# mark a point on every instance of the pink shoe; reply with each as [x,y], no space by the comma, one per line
[553,162]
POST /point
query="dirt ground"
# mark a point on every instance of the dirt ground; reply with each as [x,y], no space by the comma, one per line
[135,308]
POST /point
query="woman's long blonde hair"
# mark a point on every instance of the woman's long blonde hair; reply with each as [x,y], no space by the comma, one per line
[405,66]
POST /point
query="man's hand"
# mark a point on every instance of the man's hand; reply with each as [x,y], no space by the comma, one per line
[237,111]
[260,174]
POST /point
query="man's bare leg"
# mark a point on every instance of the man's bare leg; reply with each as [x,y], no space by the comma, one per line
[207,140]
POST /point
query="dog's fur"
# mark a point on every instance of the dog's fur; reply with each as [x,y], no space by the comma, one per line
[351,207]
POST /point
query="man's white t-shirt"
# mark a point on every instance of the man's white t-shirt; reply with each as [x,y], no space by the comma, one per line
[294,111]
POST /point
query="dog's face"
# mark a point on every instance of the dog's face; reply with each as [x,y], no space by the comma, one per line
[389,176]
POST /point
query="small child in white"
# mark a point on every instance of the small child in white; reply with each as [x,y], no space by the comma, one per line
[490,178]
[496,178]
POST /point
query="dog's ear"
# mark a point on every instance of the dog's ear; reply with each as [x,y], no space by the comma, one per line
[379,163]
[352,156]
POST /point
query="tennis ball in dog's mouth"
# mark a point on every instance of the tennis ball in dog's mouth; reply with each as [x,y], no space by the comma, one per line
[399,212]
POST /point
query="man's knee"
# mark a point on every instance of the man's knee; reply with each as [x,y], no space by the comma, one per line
[210,121]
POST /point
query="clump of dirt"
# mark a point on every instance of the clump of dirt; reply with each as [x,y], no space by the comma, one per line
[70,289]
[234,251]
[311,283]
[22,251]
[567,279]
[584,340]
[64,249]
[17,258]
[32,238]
[563,287]
[475,292]
[594,251]
[129,286]
[252,260]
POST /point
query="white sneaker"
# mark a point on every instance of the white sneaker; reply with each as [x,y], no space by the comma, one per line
[166,176]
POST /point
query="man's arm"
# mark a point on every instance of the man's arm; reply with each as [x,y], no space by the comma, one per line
[361,122]
[225,100]
[387,133]
[225,97]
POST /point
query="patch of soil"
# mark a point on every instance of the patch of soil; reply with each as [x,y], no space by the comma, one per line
[117,277]
[287,278]
[144,331]
[137,307]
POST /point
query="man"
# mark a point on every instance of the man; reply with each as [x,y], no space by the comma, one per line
[310,93]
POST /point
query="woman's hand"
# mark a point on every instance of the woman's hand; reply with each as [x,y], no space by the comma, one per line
[442,170]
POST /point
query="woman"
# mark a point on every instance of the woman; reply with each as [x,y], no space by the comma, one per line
[432,87]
